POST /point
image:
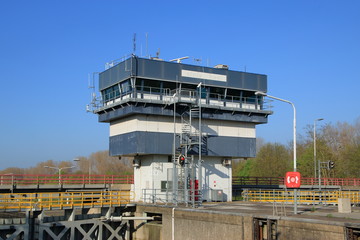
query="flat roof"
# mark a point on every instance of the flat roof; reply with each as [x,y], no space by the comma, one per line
[181,73]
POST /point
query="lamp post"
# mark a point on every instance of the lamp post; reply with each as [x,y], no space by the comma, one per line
[59,169]
[294,137]
[89,166]
[319,119]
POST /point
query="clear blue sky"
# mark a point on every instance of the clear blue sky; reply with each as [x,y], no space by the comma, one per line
[310,51]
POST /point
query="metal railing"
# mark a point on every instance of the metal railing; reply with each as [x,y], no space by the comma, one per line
[63,200]
[303,197]
[43,179]
[187,95]
[304,181]
[187,197]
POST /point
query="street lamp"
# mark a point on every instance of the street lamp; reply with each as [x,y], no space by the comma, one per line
[59,169]
[89,166]
[294,136]
[319,119]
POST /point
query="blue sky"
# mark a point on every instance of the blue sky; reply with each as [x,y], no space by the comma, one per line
[310,51]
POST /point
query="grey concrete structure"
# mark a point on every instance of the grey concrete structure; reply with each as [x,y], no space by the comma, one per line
[245,221]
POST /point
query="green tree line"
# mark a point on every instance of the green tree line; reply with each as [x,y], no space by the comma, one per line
[338,142]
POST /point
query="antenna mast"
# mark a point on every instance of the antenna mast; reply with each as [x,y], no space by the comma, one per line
[134,44]
[147,54]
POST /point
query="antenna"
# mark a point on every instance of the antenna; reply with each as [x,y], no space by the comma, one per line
[91,85]
[178,60]
[158,53]
[198,60]
[147,54]
[134,42]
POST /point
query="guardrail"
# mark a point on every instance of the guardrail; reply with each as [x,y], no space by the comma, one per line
[303,197]
[186,196]
[304,181]
[63,200]
[43,179]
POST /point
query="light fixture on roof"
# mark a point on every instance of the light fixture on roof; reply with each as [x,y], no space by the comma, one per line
[178,60]
[222,66]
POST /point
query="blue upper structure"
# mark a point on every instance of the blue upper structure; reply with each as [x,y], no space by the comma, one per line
[138,97]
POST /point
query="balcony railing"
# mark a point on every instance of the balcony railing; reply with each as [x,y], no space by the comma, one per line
[168,96]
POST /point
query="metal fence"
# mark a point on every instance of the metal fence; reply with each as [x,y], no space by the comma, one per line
[63,200]
[186,197]
[303,197]
[42,179]
[304,181]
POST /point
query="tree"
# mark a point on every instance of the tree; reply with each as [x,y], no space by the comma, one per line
[273,160]
[242,168]
[105,164]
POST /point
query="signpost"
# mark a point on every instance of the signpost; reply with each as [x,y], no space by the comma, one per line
[292,180]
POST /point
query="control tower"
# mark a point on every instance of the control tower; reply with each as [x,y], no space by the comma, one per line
[183,124]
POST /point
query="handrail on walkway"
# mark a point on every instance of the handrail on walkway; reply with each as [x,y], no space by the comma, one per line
[304,181]
[63,200]
[42,179]
[303,197]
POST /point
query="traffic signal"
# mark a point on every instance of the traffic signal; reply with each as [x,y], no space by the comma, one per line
[330,165]
[181,160]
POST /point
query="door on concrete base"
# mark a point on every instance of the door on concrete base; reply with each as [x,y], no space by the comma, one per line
[265,229]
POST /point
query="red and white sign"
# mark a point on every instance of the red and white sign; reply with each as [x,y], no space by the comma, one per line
[292,179]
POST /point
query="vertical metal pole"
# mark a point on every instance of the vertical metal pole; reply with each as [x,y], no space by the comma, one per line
[295,191]
[200,146]
[89,170]
[192,182]
[315,149]
[294,136]
[59,176]
[319,173]
[174,158]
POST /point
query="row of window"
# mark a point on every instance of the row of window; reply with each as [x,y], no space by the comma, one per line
[165,88]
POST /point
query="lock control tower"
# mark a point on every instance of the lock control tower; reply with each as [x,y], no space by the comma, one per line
[183,124]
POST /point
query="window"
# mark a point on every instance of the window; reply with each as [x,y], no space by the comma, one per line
[125,87]
[217,93]
[166,186]
[111,93]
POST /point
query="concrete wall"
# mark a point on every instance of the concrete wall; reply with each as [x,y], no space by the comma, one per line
[201,224]
[291,229]
[164,124]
